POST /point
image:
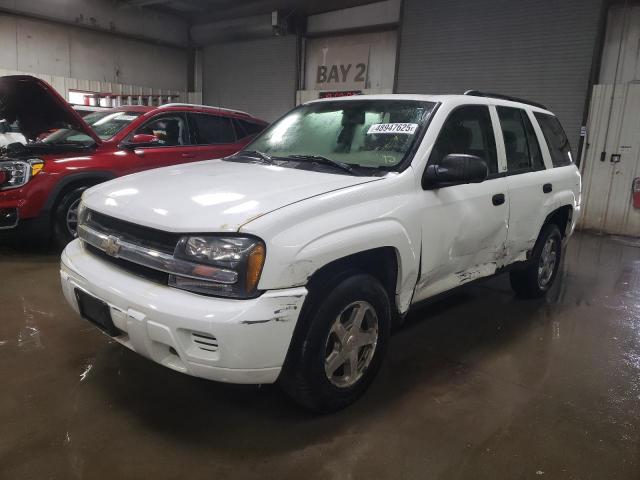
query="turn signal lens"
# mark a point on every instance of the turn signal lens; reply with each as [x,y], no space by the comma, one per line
[254,266]
[36,167]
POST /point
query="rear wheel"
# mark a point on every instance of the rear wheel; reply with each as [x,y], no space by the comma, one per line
[339,349]
[65,221]
[535,280]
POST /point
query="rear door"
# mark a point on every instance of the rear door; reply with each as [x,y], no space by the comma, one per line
[464,227]
[213,136]
[528,180]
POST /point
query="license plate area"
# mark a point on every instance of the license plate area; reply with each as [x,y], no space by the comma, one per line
[97,312]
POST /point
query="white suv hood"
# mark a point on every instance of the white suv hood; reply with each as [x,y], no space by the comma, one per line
[211,196]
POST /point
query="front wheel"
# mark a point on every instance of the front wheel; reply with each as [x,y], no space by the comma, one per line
[65,221]
[340,345]
[535,280]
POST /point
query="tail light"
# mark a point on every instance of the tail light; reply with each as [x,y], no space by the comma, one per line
[635,191]
[3,177]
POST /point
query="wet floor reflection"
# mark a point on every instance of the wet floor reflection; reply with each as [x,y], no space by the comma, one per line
[478,385]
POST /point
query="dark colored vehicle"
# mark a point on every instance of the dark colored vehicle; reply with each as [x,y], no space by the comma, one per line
[41,182]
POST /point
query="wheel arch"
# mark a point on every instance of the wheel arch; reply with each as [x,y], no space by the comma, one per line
[76,180]
[562,217]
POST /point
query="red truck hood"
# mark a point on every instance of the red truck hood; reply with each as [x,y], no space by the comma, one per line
[37,107]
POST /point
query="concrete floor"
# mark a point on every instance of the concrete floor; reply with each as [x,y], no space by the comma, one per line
[480,385]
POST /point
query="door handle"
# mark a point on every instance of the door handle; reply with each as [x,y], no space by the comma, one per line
[498,199]
[188,155]
[547,188]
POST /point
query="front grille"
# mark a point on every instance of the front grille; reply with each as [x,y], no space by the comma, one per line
[138,270]
[144,236]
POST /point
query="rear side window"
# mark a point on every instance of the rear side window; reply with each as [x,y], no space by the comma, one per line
[516,144]
[211,129]
[247,129]
[467,130]
[520,143]
[559,147]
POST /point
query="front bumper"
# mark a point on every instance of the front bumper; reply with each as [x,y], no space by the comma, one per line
[159,322]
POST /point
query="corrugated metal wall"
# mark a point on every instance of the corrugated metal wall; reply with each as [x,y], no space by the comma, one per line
[537,49]
[257,76]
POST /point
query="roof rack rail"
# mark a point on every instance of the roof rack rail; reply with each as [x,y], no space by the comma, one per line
[204,106]
[478,93]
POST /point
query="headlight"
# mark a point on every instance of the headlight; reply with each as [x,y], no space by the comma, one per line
[83,213]
[233,263]
[16,173]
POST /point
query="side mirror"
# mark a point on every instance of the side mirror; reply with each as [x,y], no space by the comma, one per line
[454,169]
[143,140]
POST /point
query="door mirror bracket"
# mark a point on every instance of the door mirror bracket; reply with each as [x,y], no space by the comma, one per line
[455,169]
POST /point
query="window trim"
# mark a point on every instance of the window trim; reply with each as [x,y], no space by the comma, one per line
[193,129]
[130,135]
[490,176]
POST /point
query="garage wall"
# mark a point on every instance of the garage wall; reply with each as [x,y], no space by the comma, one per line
[42,47]
[256,76]
[536,49]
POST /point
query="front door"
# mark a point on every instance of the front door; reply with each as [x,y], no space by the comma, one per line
[612,161]
[464,227]
[173,144]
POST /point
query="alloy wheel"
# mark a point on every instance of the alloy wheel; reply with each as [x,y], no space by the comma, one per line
[351,344]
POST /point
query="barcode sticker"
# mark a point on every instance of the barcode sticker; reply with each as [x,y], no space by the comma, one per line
[406,128]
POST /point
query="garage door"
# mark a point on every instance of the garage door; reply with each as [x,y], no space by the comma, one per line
[541,50]
[257,76]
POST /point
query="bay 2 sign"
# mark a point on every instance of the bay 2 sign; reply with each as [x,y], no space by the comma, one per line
[342,67]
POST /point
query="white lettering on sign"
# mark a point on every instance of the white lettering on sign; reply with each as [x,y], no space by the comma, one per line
[406,128]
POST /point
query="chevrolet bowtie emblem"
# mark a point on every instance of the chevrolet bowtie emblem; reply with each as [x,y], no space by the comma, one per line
[111,246]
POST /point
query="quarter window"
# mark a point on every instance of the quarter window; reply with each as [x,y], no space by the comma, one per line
[557,141]
[169,129]
[467,130]
[211,129]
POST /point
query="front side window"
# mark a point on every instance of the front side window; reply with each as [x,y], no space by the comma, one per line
[553,132]
[516,143]
[211,129]
[169,129]
[366,133]
[468,130]
[247,129]
[105,123]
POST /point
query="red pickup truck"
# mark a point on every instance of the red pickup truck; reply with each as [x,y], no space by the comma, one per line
[41,181]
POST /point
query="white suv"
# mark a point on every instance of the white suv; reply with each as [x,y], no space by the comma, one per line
[292,260]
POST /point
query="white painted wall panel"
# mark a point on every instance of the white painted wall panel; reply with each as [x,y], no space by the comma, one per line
[41,47]
[623,37]
[8,52]
[106,15]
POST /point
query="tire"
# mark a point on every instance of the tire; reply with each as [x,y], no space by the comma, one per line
[319,344]
[63,213]
[537,278]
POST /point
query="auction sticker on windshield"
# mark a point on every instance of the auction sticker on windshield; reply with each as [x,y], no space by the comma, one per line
[406,128]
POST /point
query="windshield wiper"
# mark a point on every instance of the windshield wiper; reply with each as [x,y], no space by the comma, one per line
[324,160]
[256,154]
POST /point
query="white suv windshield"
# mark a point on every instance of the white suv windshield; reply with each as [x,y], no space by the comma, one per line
[367,133]
[106,124]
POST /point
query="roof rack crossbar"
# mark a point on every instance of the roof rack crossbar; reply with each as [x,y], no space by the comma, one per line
[478,93]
